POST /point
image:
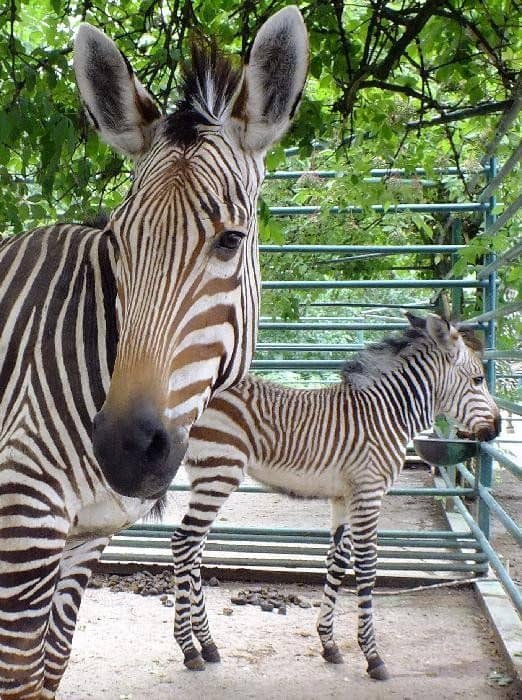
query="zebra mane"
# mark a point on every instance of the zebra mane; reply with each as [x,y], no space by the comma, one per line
[209,82]
[379,358]
[470,339]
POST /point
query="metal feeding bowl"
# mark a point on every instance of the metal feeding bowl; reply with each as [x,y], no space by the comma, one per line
[445,452]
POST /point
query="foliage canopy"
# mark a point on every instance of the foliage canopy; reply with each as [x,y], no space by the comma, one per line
[404,84]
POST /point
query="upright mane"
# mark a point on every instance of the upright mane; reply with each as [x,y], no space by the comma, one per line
[380,358]
[209,81]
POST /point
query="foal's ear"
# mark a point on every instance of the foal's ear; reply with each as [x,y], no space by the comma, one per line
[415,321]
[443,333]
[116,103]
[274,79]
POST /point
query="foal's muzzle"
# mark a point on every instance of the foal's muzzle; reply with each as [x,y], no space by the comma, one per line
[490,432]
[137,455]
[485,432]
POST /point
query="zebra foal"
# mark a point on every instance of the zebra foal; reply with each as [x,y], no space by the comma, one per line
[113,340]
[346,443]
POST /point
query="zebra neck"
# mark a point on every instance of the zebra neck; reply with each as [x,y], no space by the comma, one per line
[411,388]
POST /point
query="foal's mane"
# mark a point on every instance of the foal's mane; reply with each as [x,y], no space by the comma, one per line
[379,358]
[209,82]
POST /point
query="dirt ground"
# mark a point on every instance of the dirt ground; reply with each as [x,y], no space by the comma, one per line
[436,644]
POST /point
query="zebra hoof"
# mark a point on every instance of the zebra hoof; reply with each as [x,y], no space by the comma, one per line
[210,653]
[193,660]
[379,672]
[332,654]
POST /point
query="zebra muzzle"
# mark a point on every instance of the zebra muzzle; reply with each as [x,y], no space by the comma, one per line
[137,455]
[489,432]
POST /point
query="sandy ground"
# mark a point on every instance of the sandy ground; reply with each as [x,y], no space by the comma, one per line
[436,643]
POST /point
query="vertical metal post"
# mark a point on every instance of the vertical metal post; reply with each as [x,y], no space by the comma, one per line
[489,304]
[456,292]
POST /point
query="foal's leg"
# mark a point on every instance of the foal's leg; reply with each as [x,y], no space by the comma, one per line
[364,508]
[211,486]
[78,560]
[337,562]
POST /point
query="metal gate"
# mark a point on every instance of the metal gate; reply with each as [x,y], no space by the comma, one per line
[463,548]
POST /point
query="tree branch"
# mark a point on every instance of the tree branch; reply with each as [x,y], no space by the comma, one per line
[464,113]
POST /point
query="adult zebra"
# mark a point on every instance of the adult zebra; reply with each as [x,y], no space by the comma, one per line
[346,443]
[135,326]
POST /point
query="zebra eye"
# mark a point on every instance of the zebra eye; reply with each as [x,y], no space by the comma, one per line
[477,381]
[230,240]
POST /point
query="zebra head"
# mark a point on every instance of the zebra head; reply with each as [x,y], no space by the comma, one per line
[460,388]
[185,238]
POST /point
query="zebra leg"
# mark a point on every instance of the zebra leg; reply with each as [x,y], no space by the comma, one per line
[337,561]
[187,548]
[365,507]
[200,626]
[76,567]
[32,540]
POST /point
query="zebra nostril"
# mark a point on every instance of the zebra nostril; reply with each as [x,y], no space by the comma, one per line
[158,448]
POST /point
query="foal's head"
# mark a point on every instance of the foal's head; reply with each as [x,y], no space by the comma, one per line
[461,392]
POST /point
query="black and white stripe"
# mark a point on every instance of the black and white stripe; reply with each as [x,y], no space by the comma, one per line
[345,443]
[113,340]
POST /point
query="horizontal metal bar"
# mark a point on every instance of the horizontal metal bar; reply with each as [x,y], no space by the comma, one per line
[384,249]
[509,256]
[323,541]
[505,310]
[380,209]
[406,491]
[302,326]
[304,347]
[302,532]
[503,354]
[373,284]
[493,557]
[508,405]
[369,305]
[504,171]
[208,560]
[502,459]
[283,548]
[308,365]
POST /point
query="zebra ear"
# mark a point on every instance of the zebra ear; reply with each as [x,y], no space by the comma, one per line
[116,103]
[274,78]
[442,332]
[415,321]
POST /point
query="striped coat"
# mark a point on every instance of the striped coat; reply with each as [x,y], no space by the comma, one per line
[345,443]
[113,340]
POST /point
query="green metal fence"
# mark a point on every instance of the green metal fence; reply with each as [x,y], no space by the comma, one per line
[303,550]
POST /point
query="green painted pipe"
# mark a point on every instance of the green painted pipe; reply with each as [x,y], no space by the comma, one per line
[373,284]
[386,249]
[501,458]
[240,562]
[379,208]
[493,557]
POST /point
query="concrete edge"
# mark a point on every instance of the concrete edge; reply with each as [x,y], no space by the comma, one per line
[505,621]
[498,608]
